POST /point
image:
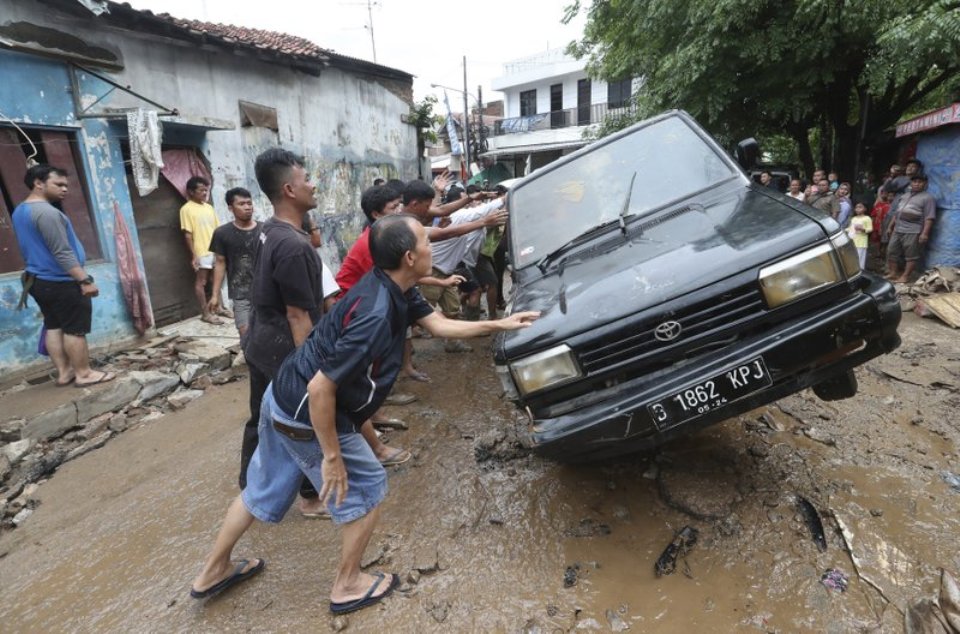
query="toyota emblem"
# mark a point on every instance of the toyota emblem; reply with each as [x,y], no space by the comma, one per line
[667,331]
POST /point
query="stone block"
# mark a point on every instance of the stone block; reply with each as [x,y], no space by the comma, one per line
[217,357]
[107,398]
[5,468]
[10,430]
[179,400]
[52,423]
[118,422]
[189,371]
[154,383]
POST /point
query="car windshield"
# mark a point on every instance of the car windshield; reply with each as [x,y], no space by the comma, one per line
[665,161]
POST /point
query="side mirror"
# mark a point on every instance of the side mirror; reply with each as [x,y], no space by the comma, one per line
[748,151]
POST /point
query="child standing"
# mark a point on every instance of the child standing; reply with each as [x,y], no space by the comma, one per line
[859,230]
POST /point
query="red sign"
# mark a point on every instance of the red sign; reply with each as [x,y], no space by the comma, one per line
[930,120]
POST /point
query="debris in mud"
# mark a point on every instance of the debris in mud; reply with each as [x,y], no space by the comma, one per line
[617,624]
[819,436]
[834,579]
[588,527]
[339,623]
[571,575]
[682,542]
[813,521]
[952,480]
[941,615]
[499,445]
[439,610]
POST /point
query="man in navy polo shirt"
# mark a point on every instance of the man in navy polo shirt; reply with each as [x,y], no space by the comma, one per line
[321,395]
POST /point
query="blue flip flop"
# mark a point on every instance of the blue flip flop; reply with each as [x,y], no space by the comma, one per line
[367,599]
[236,577]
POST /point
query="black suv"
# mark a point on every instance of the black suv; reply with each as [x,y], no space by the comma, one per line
[675,293]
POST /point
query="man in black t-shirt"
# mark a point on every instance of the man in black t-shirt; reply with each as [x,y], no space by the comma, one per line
[235,246]
[322,394]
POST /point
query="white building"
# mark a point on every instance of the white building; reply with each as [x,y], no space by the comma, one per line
[550,104]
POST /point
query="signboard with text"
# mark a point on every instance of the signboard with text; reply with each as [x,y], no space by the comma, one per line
[930,120]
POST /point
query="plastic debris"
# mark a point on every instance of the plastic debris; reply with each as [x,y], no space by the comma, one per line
[952,479]
[814,523]
[834,579]
[681,544]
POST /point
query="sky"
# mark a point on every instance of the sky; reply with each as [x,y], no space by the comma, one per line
[426,39]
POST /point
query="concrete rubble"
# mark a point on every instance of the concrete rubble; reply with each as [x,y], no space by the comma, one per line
[164,374]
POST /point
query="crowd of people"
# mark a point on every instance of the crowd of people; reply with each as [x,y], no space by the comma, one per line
[324,352]
[889,225]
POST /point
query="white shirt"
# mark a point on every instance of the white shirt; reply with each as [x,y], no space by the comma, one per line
[448,253]
[799,196]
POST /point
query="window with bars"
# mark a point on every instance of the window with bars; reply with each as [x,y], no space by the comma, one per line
[619,93]
[528,102]
[58,148]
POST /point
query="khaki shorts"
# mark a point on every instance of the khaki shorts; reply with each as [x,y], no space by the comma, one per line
[905,245]
[446,297]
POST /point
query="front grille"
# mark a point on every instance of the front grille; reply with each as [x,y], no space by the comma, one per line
[710,323]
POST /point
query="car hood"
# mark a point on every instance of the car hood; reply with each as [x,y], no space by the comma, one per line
[677,251]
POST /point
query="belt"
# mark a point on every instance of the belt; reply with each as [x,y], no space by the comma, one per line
[294,433]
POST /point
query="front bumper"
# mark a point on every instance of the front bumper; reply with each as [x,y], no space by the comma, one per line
[798,354]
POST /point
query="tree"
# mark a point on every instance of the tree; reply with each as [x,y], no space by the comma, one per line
[423,120]
[847,68]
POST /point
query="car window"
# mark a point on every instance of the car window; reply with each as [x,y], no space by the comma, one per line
[666,161]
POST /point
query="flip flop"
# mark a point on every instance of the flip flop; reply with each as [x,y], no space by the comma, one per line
[55,380]
[216,321]
[104,378]
[397,457]
[236,577]
[368,599]
[417,375]
[391,423]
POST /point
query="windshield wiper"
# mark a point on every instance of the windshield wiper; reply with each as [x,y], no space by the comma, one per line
[626,206]
[621,221]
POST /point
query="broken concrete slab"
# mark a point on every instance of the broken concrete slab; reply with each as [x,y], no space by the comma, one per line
[179,400]
[154,383]
[10,430]
[52,423]
[111,396]
[189,371]
[217,357]
[16,450]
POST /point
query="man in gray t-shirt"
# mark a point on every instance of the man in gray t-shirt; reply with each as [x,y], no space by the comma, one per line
[910,228]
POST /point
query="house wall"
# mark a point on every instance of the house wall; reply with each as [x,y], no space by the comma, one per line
[348,126]
[35,91]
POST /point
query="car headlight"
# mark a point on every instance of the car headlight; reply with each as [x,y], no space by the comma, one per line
[544,369]
[800,275]
[847,251]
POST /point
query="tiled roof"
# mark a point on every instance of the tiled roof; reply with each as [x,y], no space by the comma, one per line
[282,43]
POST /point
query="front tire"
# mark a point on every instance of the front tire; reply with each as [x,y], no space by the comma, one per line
[841,386]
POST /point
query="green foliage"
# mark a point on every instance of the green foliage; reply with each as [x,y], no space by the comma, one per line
[423,119]
[768,67]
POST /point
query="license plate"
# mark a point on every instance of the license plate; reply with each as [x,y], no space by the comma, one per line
[706,396]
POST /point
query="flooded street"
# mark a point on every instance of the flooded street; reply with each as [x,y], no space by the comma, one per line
[514,543]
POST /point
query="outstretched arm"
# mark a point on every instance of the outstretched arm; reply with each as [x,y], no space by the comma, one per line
[439,326]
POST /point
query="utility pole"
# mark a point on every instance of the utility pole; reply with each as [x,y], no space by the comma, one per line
[466,118]
[373,42]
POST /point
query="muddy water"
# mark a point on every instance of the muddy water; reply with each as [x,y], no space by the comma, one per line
[121,531]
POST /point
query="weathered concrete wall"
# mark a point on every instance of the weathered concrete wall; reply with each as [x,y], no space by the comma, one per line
[36,91]
[347,126]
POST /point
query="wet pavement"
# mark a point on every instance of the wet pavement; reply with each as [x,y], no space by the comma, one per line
[515,543]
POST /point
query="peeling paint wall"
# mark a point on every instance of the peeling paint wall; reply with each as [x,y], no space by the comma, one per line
[348,127]
[35,91]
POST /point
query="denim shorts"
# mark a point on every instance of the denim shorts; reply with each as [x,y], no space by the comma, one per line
[274,472]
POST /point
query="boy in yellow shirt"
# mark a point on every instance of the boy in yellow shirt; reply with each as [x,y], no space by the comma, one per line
[198,221]
[859,230]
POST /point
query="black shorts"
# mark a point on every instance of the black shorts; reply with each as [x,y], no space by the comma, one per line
[486,272]
[63,306]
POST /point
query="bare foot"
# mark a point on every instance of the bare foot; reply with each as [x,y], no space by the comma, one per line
[213,574]
[416,375]
[360,586]
[900,280]
[211,319]
[66,379]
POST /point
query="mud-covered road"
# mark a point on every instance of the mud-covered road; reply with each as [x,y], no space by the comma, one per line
[514,543]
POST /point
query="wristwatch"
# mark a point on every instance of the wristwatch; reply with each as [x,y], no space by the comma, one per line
[87,280]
